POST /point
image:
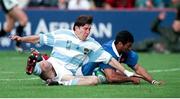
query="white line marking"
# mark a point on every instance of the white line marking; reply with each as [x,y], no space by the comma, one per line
[35,78]
[165,70]
[5,72]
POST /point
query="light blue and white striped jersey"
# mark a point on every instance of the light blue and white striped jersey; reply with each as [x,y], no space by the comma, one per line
[72,51]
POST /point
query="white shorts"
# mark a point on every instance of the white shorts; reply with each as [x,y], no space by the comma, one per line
[79,72]
[7,5]
[59,68]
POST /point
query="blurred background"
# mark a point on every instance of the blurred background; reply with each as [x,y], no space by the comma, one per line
[110,17]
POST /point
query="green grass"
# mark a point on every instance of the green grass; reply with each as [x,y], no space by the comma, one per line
[15,83]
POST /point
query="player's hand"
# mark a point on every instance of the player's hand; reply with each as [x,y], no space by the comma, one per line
[155,82]
[15,37]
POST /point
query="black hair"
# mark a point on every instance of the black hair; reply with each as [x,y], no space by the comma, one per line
[124,37]
[82,20]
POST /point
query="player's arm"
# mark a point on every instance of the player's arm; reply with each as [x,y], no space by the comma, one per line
[27,39]
[145,75]
[117,77]
[114,63]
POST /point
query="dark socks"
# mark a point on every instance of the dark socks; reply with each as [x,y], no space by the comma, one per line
[2,33]
[19,32]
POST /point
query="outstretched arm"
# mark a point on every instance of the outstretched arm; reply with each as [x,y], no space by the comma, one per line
[28,39]
[114,63]
[145,75]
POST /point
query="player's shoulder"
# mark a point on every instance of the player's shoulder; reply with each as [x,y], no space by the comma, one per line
[107,44]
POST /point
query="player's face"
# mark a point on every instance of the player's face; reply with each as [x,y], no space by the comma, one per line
[127,47]
[83,31]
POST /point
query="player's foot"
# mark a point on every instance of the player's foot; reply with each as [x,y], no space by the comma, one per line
[31,62]
[35,52]
[19,49]
[39,56]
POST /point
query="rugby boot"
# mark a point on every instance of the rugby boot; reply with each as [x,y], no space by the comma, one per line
[32,60]
[31,63]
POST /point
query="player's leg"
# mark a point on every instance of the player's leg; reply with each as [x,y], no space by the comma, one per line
[8,26]
[114,76]
[140,70]
[43,69]
[19,15]
[87,80]
[79,80]
[66,77]
[38,65]
[47,70]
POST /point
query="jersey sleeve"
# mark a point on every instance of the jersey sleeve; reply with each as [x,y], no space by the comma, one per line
[104,56]
[47,39]
[100,55]
[132,59]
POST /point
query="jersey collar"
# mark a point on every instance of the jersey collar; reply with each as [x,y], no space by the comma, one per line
[114,49]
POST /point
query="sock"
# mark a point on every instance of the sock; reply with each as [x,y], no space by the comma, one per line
[2,33]
[101,76]
[37,70]
[19,32]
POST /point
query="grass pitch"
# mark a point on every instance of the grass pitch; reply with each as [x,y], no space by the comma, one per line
[15,83]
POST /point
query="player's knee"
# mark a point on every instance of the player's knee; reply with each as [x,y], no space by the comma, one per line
[45,66]
[47,72]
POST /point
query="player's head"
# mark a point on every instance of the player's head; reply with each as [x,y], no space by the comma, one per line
[82,26]
[124,40]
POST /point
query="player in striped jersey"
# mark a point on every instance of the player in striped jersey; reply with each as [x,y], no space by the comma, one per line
[71,50]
